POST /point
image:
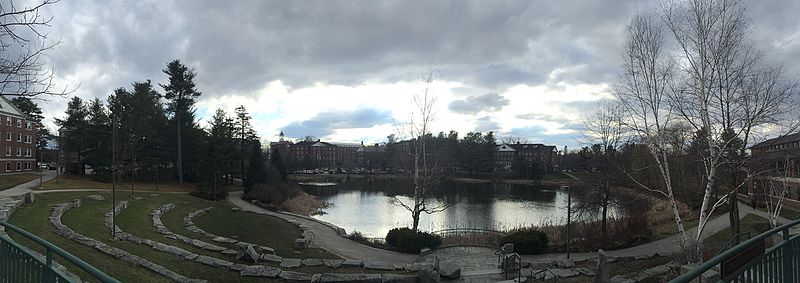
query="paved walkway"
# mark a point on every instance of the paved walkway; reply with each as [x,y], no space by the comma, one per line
[327,238]
[24,188]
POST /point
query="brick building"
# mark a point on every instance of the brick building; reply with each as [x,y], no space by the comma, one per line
[17,139]
[543,154]
[311,154]
[779,158]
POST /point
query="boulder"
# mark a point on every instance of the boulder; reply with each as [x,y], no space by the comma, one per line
[251,252]
[332,263]
[205,260]
[397,278]
[564,263]
[565,273]
[449,269]
[602,268]
[352,262]
[236,209]
[260,271]
[300,244]
[378,265]
[312,262]
[620,279]
[295,276]
[271,258]
[364,278]
[428,275]
[291,263]
[266,250]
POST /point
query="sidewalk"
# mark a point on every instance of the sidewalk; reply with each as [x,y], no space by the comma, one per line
[325,237]
[24,188]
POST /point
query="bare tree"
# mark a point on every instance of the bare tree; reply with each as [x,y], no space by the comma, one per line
[777,189]
[23,42]
[425,171]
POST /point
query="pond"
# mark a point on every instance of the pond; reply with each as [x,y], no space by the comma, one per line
[367,206]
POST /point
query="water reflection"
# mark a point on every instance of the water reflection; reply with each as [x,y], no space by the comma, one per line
[365,206]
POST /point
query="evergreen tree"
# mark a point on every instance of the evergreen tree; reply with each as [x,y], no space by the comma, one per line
[277,162]
[181,94]
[30,108]
[98,140]
[74,128]
[257,170]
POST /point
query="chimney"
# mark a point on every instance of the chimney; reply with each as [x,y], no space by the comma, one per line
[362,143]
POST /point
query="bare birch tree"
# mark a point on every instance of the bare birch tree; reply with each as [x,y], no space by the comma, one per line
[777,189]
[23,42]
[425,172]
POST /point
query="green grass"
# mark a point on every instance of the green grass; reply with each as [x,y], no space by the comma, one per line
[751,223]
[667,229]
[65,182]
[136,219]
[785,213]
[10,181]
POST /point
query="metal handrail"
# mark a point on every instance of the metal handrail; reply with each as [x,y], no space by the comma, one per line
[730,241]
[709,264]
[459,230]
[99,275]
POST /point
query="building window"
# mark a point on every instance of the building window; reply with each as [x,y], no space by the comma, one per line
[19,137]
[8,121]
[27,166]
[27,139]
[8,136]
[28,152]
[19,166]
[8,151]
[19,123]
[19,151]
[28,125]
[8,166]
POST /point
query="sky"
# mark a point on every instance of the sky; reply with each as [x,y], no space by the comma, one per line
[347,70]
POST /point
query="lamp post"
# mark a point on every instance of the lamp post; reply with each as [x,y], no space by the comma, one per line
[113,176]
[569,216]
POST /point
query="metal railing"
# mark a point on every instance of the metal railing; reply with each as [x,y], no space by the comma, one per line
[20,264]
[750,262]
[470,237]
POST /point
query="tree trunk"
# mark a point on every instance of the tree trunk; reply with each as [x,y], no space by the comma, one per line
[733,216]
[180,151]
[606,192]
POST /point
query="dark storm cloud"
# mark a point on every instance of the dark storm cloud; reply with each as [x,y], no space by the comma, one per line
[489,102]
[325,123]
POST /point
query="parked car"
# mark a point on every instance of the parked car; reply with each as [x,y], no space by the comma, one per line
[52,166]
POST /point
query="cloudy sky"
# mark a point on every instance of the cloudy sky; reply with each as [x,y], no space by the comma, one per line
[347,70]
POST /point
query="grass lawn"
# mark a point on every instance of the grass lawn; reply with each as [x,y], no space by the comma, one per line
[750,223]
[136,219]
[86,182]
[10,181]
[785,213]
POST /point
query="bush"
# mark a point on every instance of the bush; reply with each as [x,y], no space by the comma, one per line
[413,242]
[527,241]
[396,233]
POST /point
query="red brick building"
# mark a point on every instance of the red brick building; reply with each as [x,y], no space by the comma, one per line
[779,159]
[542,154]
[17,139]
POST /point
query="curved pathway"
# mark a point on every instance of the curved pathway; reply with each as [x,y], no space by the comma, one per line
[326,237]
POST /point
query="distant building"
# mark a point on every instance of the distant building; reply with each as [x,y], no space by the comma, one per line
[779,158]
[17,139]
[545,155]
[309,154]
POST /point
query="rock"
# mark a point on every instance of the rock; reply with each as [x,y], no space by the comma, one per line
[225,240]
[334,277]
[291,263]
[564,263]
[449,269]
[300,244]
[260,271]
[153,195]
[271,258]
[295,276]
[620,279]
[564,273]
[29,197]
[205,260]
[641,257]
[223,263]
[238,267]
[655,271]
[397,278]
[352,262]
[332,263]
[236,209]
[585,271]
[229,252]
[378,265]
[428,275]
[137,198]
[312,262]
[76,202]
[251,252]
[425,251]
[266,250]
[602,268]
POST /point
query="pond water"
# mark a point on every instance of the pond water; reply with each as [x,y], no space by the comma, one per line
[367,206]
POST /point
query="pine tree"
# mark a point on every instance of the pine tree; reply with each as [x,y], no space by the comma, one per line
[181,93]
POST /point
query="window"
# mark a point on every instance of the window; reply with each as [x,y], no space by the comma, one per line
[28,152]
[19,166]
[27,139]
[8,151]
[8,136]
[19,137]
[19,151]
[19,123]
[8,121]
[28,125]
[27,166]
[8,166]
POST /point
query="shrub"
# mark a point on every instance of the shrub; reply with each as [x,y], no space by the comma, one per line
[394,234]
[413,242]
[527,241]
